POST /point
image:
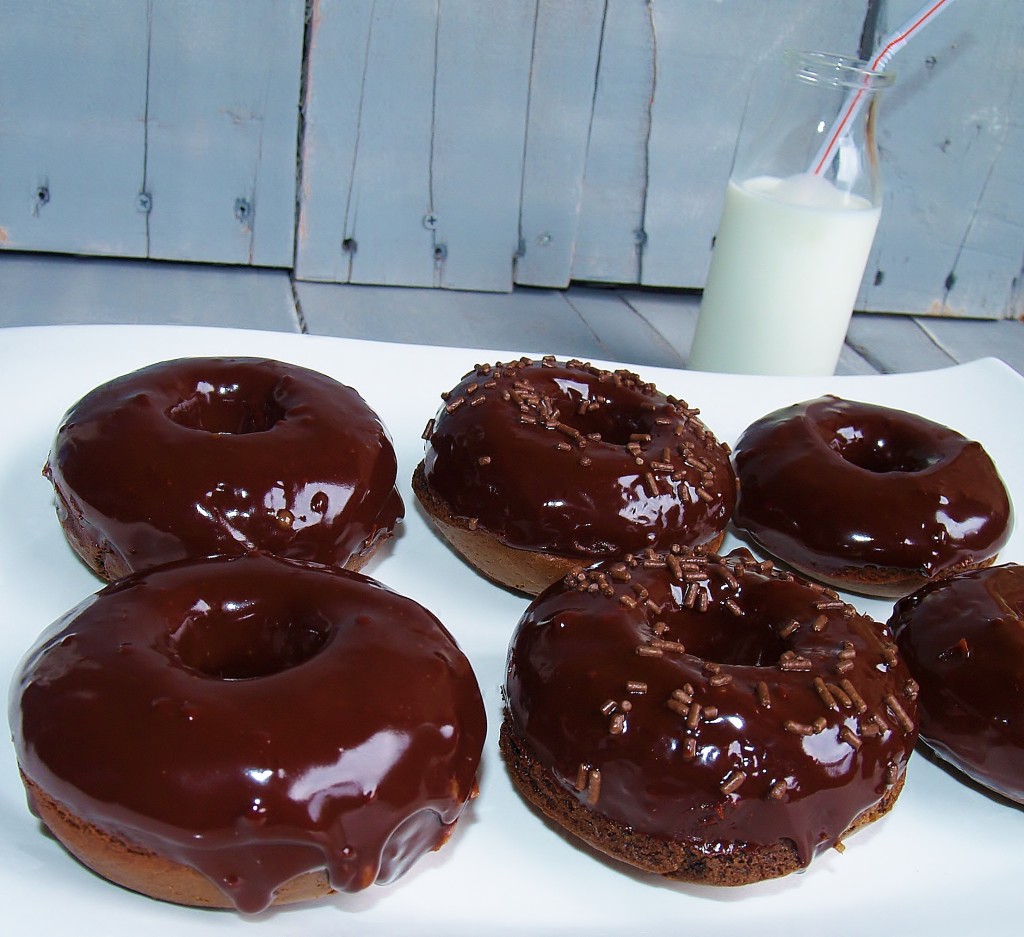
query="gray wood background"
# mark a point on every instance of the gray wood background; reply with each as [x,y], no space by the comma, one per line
[479,145]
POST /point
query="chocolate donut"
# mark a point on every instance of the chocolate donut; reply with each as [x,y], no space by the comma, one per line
[709,719]
[234,731]
[868,498]
[534,467]
[223,456]
[963,639]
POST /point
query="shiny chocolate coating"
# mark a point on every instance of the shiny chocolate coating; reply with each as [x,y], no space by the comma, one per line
[569,459]
[223,456]
[254,718]
[832,485]
[963,639]
[711,701]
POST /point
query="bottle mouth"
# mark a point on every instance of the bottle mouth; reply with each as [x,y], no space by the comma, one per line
[837,71]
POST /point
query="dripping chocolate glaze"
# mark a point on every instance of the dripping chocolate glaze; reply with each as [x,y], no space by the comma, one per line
[571,459]
[221,456]
[770,710]
[963,639]
[830,484]
[254,718]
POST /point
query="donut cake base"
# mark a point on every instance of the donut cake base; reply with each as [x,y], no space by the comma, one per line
[516,569]
[676,861]
[523,570]
[142,871]
[108,564]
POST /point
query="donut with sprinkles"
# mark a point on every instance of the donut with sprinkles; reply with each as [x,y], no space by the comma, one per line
[705,718]
[532,468]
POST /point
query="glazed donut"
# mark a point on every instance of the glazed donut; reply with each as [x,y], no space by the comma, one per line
[534,467]
[709,719]
[233,731]
[222,456]
[963,639]
[868,498]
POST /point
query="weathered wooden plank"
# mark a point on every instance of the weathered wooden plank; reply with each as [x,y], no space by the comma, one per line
[222,129]
[563,72]
[951,236]
[420,165]
[709,57]
[479,114]
[965,340]
[339,34]
[530,320]
[72,127]
[366,146]
[851,361]
[990,262]
[895,344]
[673,315]
[611,219]
[41,289]
[623,333]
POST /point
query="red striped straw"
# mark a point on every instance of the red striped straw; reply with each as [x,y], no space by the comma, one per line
[887,49]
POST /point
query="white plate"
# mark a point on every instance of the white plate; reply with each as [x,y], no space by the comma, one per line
[945,861]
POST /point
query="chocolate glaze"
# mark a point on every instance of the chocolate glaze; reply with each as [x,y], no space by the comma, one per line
[254,718]
[701,754]
[221,456]
[830,485]
[515,451]
[963,639]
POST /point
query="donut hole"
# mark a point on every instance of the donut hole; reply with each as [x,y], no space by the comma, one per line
[708,637]
[226,645]
[227,409]
[889,450]
[617,428]
[617,422]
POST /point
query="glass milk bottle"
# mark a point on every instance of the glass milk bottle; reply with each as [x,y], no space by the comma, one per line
[801,209]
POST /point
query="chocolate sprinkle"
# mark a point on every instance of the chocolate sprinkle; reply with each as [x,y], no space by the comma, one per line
[794,663]
[733,781]
[900,714]
[850,737]
[858,703]
[644,650]
[797,728]
[788,628]
[826,695]
[733,607]
[679,708]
